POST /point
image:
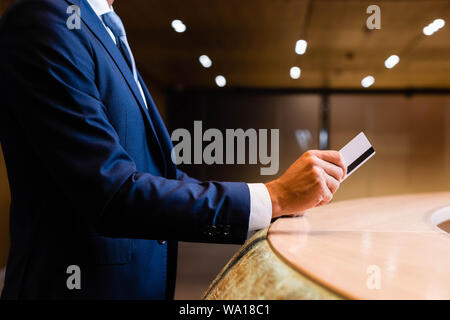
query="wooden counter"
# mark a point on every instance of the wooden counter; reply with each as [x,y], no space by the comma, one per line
[373,248]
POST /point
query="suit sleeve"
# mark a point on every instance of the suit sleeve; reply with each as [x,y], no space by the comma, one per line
[53,96]
[183,176]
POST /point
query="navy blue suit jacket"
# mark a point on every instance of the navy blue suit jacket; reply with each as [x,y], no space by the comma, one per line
[92,182]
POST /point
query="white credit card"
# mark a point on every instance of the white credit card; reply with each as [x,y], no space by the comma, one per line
[356,153]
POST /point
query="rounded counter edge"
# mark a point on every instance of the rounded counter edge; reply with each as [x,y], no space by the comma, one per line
[257,272]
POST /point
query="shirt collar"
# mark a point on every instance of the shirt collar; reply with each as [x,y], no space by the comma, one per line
[100,7]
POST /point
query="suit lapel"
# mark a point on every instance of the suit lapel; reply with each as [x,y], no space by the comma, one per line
[94,24]
[163,135]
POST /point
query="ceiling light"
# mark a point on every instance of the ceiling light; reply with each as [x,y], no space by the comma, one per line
[295,72]
[433,27]
[367,81]
[428,31]
[439,23]
[300,46]
[205,61]
[221,81]
[391,61]
[178,26]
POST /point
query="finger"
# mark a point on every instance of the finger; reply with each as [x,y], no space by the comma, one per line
[326,199]
[326,194]
[332,184]
[331,169]
[334,157]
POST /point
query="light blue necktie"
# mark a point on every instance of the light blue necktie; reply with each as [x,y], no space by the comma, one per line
[114,23]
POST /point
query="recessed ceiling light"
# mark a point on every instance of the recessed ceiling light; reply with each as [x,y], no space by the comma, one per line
[439,23]
[295,72]
[391,61]
[367,81]
[428,31]
[433,27]
[178,26]
[205,61]
[221,81]
[300,47]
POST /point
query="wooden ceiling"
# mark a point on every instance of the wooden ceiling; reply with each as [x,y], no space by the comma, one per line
[252,42]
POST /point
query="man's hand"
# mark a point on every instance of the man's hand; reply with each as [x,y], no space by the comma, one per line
[309,182]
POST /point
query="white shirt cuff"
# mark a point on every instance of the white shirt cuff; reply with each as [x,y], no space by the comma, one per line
[260,207]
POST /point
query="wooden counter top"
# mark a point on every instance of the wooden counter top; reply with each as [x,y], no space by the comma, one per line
[372,248]
[341,246]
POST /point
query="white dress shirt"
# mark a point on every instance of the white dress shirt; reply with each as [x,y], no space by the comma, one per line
[260,202]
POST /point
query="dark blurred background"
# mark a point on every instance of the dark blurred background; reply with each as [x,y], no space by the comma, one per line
[405,113]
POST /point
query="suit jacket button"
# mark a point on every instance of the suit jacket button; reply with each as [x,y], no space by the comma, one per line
[212,231]
[162,242]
